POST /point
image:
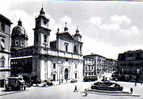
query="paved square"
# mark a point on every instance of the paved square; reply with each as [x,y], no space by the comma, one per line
[65,91]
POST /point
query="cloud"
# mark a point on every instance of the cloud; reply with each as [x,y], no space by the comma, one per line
[115,22]
[134,30]
[106,28]
[113,31]
[122,19]
[109,26]
[92,45]
[54,25]
[66,19]
[95,20]
[71,27]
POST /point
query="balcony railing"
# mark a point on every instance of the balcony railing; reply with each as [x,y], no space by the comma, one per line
[60,54]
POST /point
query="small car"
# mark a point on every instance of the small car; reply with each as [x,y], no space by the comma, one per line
[73,80]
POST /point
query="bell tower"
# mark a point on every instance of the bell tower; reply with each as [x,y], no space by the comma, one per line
[41,30]
[78,45]
[77,35]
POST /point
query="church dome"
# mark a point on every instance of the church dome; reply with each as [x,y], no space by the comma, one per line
[19,30]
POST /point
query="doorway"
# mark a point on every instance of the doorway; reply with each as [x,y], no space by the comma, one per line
[66,74]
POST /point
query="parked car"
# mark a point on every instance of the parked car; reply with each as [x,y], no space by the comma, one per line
[42,84]
[73,80]
[15,83]
[49,82]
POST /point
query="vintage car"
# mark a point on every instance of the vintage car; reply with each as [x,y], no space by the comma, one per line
[15,83]
[73,81]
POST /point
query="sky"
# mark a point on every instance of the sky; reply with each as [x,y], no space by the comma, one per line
[107,28]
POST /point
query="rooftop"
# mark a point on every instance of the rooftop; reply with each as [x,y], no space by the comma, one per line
[5,19]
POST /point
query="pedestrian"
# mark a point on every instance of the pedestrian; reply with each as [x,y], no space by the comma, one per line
[131,90]
[75,89]
[135,84]
[85,92]
[24,87]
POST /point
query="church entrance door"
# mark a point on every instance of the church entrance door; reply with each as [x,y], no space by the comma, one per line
[66,74]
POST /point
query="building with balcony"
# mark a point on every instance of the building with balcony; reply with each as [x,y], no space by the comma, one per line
[5,25]
[97,65]
[59,60]
[130,66]
[94,65]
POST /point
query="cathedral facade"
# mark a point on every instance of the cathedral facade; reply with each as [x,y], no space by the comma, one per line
[59,60]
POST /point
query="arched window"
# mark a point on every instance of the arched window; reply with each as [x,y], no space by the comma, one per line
[75,49]
[45,38]
[54,65]
[2,61]
[66,46]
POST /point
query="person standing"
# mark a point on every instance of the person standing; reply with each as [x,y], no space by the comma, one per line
[85,92]
[131,90]
[75,89]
